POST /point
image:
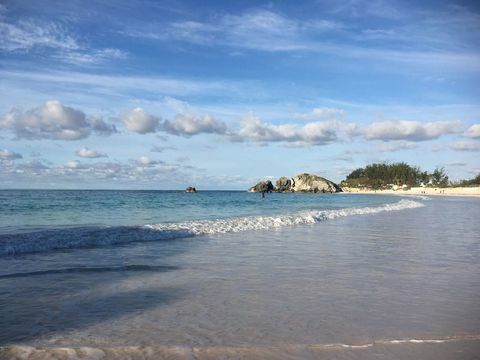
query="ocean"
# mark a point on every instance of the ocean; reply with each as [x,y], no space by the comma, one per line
[219,274]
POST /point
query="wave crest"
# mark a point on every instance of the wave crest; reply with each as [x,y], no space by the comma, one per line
[207,227]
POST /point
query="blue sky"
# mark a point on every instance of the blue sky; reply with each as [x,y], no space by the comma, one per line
[164,95]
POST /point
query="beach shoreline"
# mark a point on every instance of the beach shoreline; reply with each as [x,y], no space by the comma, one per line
[448,348]
[456,191]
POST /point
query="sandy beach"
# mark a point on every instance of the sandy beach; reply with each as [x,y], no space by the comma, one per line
[456,191]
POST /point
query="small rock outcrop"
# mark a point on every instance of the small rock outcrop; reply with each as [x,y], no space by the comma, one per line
[262,186]
[190,189]
[283,184]
[299,183]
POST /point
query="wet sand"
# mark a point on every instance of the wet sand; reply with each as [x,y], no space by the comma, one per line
[466,348]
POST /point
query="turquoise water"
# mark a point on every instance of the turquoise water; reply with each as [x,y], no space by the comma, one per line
[21,209]
[38,221]
[131,274]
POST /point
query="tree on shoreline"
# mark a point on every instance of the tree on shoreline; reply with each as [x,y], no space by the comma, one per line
[439,177]
[472,182]
[383,175]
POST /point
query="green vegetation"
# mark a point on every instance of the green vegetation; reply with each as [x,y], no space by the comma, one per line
[439,177]
[381,176]
[384,176]
[472,182]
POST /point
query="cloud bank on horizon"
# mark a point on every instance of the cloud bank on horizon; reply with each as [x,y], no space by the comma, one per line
[218,95]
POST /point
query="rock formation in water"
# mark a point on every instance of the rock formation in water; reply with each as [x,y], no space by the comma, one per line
[262,186]
[313,183]
[283,184]
[299,183]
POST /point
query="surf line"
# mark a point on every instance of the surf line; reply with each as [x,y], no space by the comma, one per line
[471,337]
[29,350]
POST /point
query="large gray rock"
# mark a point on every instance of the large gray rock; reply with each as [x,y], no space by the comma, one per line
[262,186]
[283,184]
[300,183]
[313,183]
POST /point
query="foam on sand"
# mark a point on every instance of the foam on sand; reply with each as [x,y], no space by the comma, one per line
[438,348]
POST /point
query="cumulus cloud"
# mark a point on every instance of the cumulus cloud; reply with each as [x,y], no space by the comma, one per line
[411,130]
[474,131]
[139,121]
[52,120]
[465,146]
[188,124]
[9,155]
[99,126]
[315,133]
[87,153]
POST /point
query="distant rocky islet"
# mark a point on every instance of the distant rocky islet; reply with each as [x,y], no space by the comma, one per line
[300,183]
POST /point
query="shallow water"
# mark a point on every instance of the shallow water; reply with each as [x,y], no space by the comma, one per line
[410,272]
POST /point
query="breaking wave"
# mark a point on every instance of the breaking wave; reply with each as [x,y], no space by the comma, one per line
[81,237]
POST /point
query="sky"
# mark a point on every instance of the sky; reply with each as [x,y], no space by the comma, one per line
[220,94]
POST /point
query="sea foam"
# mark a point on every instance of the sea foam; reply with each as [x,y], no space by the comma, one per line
[81,237]
[219,226]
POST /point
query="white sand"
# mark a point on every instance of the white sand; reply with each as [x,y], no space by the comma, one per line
[455,191]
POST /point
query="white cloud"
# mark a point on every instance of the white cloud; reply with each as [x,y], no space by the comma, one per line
[270,31]
[396,146]
[316,133]
[474,131]
[27,35]
[52,120]
[411,130]
[465,146]
[121,85]
[9,155]
[145,161]
[177,105]
[139,121]
[91,56]
[32,167]
[323,113]
[257,29]
[73,165]
[188,124]
[134,173]
[87,153]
